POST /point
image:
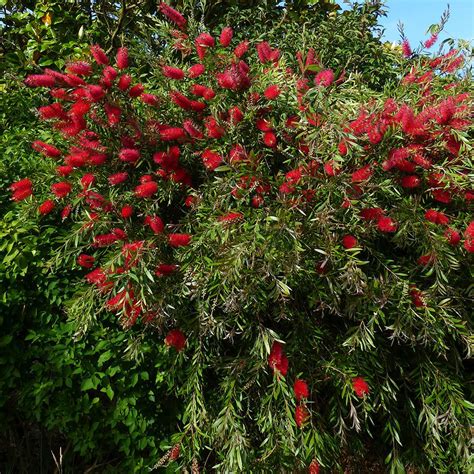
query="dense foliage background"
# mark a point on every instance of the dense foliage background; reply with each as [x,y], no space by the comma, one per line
[76,380]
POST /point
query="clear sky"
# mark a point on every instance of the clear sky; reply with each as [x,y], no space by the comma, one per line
[418,15]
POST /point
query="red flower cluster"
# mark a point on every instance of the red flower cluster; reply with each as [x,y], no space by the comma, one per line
[21,189]
[301,389]
[360,386]
[277,359]
[176,338]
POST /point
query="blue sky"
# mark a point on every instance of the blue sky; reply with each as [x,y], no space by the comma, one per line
[418,15]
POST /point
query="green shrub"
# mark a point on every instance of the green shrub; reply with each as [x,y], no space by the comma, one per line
[313,264]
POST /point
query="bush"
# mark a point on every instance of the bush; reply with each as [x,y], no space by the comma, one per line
[302,238]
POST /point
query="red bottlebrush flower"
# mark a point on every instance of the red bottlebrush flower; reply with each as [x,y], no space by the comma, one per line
[257,201]
[179,240]
[371,213]
[129,155]
[202,42]
[241,49]
[214,130]
[104,240]
[117,178]
[146,190]
[387,225]
[417,297]
[406,48]
[237,154]
[95,93]
[192,130]
[172,133]
[349,242]
[80,68]
[97,159]
[126,211]
[119,234]
[66,211]
[272,92]
[156,224]
[346,204]
[74,81]
[150,99]
[21,189]
[360,387]
[324,78]
[270,139]
[425,260]
[203,91]
[294,176]
[469,232]
[52,111]
[24,183]
[205,40]
[301,389]
[96,277]
[469,238]
[342,148]
[452,236]
[211,159]
[374,135]
[165,269]
[362,174]
[59,94]
[21,194]
[136,91]
[176,338]
[124,82]
[113,114]
[313,467]
[226,36]
[277,360]
[61,190]
[99,55]
[86,261]
[431,41]
[431,215]
[173,15]
[46,149]
[286,188]
[173,72]
[469,244]
[231,217]
[40,80]
[441,195]
[264,52]
[264,125]
[189,201]
[469,195]
[331,168]
[301,415]
[410,182]
[46,207]
[174,454]
[80,108]
[436,217]
[87,180]
[196,71]
[122,58]
[146,178]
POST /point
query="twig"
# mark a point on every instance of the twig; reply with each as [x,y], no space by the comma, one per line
[118,27]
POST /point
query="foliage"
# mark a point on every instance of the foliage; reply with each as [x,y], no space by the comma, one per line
[296,219]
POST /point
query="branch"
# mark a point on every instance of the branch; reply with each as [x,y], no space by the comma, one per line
[118,27]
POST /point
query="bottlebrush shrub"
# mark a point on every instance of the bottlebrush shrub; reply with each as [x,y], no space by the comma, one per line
[282,222]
